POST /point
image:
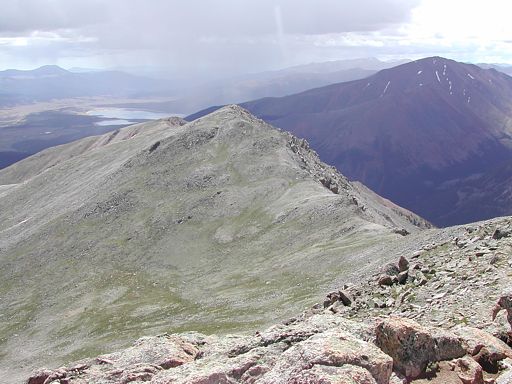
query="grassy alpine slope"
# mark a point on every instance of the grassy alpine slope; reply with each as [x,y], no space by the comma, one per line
[222,224]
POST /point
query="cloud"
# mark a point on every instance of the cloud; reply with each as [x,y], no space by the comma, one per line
[28,16]
[187,37]
[164,25]
[197,17]
[200,37]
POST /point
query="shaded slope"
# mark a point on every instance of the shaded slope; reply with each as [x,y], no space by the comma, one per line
[257,85]
[407,130]
[487,194]
[203,226]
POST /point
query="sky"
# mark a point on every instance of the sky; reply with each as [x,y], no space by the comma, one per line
[221,37]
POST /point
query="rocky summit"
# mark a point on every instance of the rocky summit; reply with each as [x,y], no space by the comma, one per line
[221,225]
[440,314]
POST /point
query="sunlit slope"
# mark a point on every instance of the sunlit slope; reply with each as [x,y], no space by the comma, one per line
[221,224]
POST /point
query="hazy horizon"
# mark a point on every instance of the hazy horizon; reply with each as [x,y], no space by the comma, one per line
[229,38]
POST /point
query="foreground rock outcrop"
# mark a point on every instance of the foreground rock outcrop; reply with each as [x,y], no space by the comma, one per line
[440,324]
[319,347]
[413,347]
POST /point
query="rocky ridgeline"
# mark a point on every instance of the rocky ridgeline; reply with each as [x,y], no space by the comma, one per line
[447,284]
[366,333]
[325,174]
[338,184]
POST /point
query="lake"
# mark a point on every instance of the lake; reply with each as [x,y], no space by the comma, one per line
[124,116]
[49,128]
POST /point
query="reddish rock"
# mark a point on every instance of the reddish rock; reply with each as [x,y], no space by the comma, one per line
[484,347]
[334,348]
[402,277]
[412,346]
[164,351]
[321,374]
[385,280]
[253,374]
[40,376]
[504,303]
[138,373]
[391,269]
[403,264]
[468,370]
[46,376]
[338,296]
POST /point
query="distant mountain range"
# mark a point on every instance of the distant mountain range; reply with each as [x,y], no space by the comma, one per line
[47,83]
[505,68]
[275,83]
[432,135]
[53,82]
[428,134]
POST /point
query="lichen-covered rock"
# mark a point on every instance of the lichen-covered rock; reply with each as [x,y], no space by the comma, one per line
[141,362]
[413,346]
[331,348]
[211,371]
[46,376]
[500,233]
[338,296]
[322,374]
[504,303]
[402,277]
[139,372]
[403,264]
[248,360]
[252,375]
[484,347]
[40,376]
[505,376]
[391,269]
[162,351]
[385,280]
[220,366]
[302,329]
[468,370]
